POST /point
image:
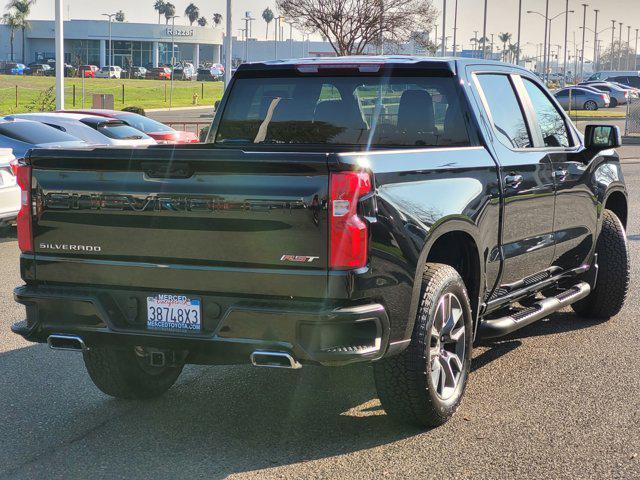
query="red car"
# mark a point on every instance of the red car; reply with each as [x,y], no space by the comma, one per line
[156,130]
[89,71]
[158,73]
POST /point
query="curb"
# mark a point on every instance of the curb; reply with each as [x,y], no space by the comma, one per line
[627,140]
[175,109]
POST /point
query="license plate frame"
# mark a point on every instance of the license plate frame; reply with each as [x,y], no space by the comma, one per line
[176,313]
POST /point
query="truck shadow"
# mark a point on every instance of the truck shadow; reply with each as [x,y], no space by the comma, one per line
[7,234]
[215,422]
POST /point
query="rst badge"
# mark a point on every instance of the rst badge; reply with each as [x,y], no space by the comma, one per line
[298,258]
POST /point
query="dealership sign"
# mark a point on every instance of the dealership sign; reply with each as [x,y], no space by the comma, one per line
[179,32]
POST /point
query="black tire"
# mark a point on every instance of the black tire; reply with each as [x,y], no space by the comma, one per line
[122,374]
[612,283]
[590,105]
[405,381]
[613,103]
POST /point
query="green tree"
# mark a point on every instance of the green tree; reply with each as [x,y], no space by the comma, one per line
[119,16]
[217,19]
[267,16]
[202,22]
[11,20]
[169,11]
[504,38]
[23,10]
[158,6]
[192,12]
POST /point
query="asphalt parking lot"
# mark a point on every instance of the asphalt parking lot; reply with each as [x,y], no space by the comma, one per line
[559,399]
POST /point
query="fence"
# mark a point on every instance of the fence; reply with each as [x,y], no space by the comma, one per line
[632,122]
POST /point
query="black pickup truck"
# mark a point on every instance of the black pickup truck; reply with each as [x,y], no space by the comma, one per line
[391,210]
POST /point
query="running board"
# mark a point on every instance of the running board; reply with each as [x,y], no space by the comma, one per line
[499,327]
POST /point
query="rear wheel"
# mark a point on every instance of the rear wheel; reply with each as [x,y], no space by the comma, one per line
[424,384]
[613,103]
[612,282]
[124,373]
[590,105]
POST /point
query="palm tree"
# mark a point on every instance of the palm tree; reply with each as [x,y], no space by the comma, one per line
[192,12]
[202,22]
[513,51]
[158,6]
[217,19]
[504,38]
[11,20]
[119,16]
[267,16]
[23,10]
[169,11]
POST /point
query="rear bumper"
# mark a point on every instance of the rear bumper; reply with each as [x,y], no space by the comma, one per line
[312,332]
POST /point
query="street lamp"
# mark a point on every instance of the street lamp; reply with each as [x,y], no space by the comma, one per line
[228,48]
[584,32]
[173,59]
[547,46]
[620,45]
[59,33]
[484,31]
[110,16]
[596,42]
[455,28]
[444,28]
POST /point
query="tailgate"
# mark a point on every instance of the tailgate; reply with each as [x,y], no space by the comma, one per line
[182,219]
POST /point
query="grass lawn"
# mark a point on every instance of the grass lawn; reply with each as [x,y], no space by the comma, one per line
[139,93]
[601,113]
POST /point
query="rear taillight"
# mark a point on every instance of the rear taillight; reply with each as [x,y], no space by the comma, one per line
[24,220]
[14,167]
[348,233]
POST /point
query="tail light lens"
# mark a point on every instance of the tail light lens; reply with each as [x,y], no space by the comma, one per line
[24,220]
[348,235]
[14,167]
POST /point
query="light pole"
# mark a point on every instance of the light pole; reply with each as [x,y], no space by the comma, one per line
[584,32]
[444,28]
[547,30]
[546,39]
[613,43]
[519,29]
[228,65]
[595,42]
[635,58]
[484,31]
[59,55]
[247,28]
[619,64]
[455,28]
[173,58]
[628,61]
[110,16]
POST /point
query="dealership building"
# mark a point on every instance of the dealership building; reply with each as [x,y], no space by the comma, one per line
[87,42]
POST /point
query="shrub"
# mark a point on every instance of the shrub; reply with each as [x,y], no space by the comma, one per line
[138,110]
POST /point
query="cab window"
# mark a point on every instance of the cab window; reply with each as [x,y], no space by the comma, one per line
[552,123]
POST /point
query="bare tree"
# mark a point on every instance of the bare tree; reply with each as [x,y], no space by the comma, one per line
[351,26]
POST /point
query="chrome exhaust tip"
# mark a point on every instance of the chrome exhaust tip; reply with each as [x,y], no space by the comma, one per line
[263,358]
[66,342]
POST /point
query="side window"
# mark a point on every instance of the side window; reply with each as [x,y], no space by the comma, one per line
[552,123]
[505,110]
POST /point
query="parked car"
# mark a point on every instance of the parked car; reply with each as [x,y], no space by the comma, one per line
[22,135]
[617,95]
[582,98]
[137,72]
[185,71]
[110,71]
[89,71]
[630,80]
[9,188]
[13,68]
[160,132]
[612,74]
[158,73]
[93,129]
[38,70]
[315,230]
[69,70]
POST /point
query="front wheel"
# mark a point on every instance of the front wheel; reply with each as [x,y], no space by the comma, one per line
[424,384]
[124,373]
[612,282]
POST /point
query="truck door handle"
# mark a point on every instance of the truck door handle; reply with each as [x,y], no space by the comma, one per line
[513,180]
[560,175]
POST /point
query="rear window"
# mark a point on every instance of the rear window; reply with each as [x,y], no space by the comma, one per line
[144,124]
[120,131]
[375,111]
[34,133]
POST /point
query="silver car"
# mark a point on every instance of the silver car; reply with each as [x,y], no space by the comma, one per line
[582,98]
[619,96]
[9,189]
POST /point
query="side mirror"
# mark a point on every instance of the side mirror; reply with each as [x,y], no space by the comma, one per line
[602,137]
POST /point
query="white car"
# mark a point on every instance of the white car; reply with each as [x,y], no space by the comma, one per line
[92,129]
[9,189]
[110,71]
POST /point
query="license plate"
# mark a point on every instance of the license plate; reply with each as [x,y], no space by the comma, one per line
[173,312]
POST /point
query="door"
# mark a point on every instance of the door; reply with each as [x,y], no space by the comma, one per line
[527,243]
[575,205]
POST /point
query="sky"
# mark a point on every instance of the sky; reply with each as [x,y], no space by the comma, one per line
[502,17]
